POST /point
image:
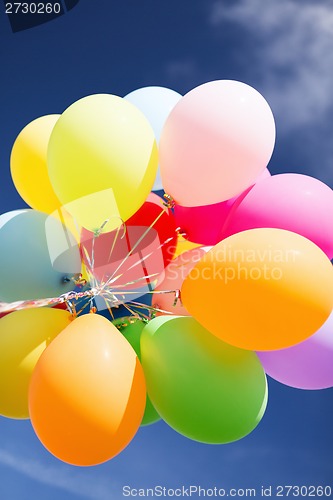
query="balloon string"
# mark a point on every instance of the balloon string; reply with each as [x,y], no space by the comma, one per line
[152,309]
[99,289]
[141,260]
[116,237]
[134,247]
[6,307]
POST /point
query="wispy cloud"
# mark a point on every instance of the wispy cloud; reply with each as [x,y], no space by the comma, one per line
[65,478]
[294,47]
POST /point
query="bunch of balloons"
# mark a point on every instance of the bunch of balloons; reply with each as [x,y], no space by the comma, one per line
[120,308]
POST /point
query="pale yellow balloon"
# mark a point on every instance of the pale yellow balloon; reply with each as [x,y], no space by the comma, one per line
[24,335]
[102,160]
[29,167]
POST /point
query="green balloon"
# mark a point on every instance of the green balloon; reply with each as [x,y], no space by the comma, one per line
[132,328]
[38,256]
[203,388]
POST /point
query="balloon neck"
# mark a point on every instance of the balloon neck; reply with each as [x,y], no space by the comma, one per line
[169,201]
[122,323]
[181,232]
[77,279]
[99,230]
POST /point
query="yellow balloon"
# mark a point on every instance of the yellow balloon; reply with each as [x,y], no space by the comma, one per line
[262,289]
[29,166]
[184,245]
[102,160]
[23,337]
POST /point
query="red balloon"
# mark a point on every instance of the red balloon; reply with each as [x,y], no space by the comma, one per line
[165,225]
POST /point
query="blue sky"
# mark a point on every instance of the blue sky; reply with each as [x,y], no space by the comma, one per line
[284,49]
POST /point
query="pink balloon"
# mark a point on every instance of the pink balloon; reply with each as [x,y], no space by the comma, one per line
[205,224]
[294,202]
[216,141]
[175,273]
[308,365]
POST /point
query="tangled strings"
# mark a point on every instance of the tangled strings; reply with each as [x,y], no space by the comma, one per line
[112,294]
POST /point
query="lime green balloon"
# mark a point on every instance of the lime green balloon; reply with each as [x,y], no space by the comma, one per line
[203,388]
[132,329]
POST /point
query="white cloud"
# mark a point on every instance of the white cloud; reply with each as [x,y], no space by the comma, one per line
[294,48]
[67,479]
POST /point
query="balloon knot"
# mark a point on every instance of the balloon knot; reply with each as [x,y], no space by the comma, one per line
[181,232]
[169,201]
[79,281]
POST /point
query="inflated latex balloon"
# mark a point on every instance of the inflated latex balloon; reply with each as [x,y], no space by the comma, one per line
[28,164]
[206,224]
[307,365]
[203,388]
[156,104]
[102,160]
[23,337]
[38,256]
[174,275]
[87,393]
[295,202]
[272,288]
[216,141]
[153,213]
[132,328]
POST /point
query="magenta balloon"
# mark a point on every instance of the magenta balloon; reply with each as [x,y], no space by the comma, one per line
[294,202]
[216,141]
[308,365]
[205,224]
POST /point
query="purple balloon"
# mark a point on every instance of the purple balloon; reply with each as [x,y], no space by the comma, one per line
[308,365]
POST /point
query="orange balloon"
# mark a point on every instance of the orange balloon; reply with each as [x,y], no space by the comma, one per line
[261,289]
[87,393]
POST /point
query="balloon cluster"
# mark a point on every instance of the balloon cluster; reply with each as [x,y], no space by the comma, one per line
[119,308]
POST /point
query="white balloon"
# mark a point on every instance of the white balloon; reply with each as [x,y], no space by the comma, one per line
[156,103]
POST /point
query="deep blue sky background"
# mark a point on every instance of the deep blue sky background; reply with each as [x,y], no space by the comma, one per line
[284,49]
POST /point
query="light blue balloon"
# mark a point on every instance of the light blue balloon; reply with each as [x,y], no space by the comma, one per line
[38,256]
[156,103]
